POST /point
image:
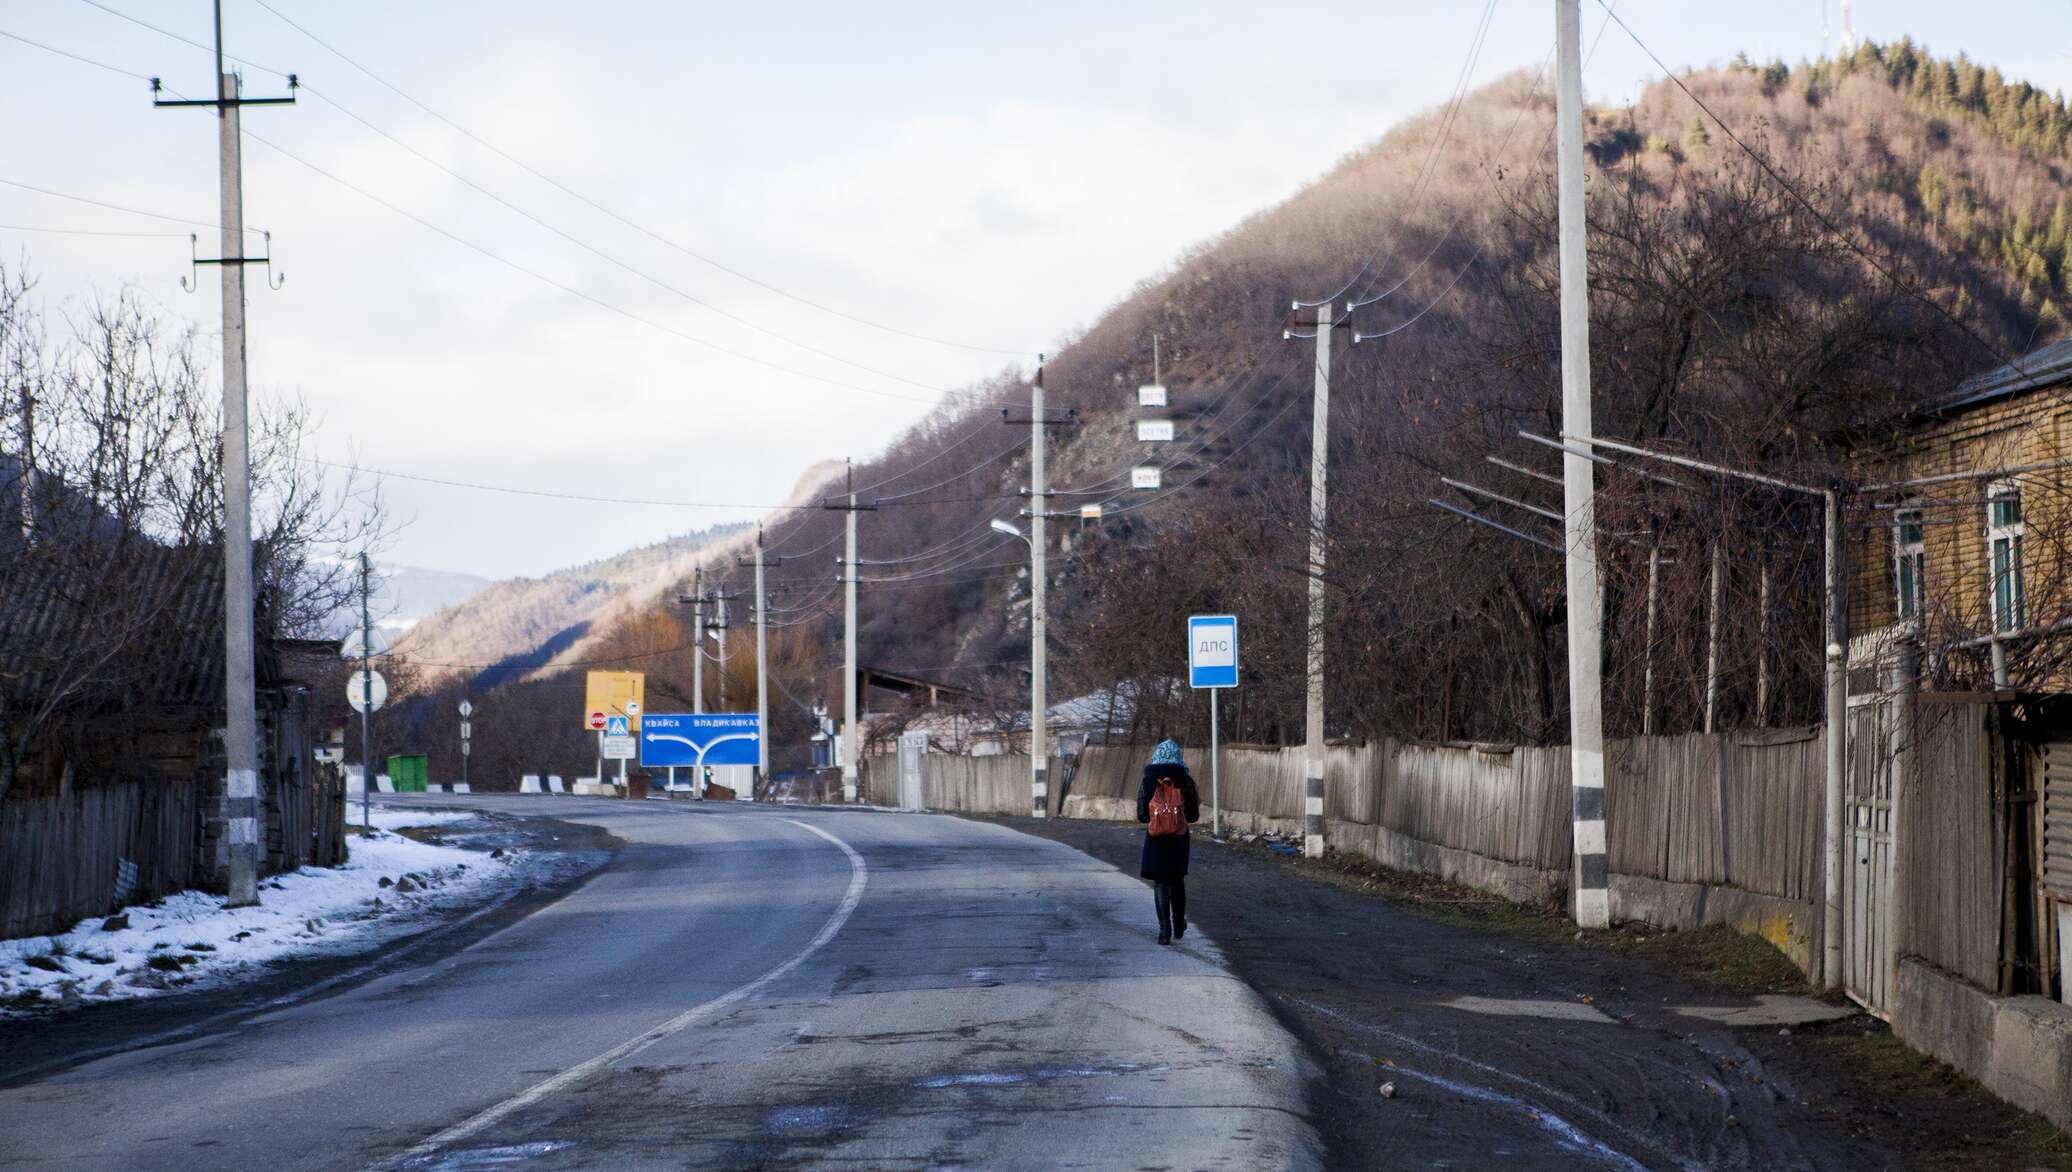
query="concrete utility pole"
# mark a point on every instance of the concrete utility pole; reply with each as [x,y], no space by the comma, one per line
[851,740]
[1316,750]
[1715,596]
[28,471]
[1313,711]
[1579,488]
[366,694]
[1837,738]
[1039,666]
[241,729]
[697,642]
[762,667]
[762,653]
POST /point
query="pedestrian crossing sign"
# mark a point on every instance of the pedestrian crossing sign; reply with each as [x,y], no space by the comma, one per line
[616,726]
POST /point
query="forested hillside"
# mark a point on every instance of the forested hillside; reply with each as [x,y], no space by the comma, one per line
[1885,225]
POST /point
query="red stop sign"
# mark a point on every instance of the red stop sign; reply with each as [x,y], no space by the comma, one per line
[597,721]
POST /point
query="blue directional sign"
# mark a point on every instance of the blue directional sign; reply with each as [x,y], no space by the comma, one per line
[704,738]
[1212,650]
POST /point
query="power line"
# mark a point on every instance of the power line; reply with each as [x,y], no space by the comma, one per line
[500,259]
[542,492]
[87,232]
[605,256]
[165,32]
[572,290]
[116,207]
[1847,241]
[596,206]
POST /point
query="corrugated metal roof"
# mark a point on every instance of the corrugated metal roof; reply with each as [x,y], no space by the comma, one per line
[158,609]
[2046,367]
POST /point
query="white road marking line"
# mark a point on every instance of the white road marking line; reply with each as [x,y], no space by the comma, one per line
[859,874]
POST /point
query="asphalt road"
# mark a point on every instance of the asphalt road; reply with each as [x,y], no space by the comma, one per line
[740,987]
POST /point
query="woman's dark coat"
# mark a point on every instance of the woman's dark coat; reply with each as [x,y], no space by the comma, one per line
[1166,857]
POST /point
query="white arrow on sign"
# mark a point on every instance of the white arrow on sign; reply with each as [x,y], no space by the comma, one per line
[704,748]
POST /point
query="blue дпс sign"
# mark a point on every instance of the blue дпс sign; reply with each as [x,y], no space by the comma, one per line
[1212,650]
[705,738]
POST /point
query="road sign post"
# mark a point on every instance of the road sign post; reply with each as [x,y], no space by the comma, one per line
[1212,664]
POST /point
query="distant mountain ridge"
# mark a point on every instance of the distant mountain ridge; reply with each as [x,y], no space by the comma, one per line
[508,630]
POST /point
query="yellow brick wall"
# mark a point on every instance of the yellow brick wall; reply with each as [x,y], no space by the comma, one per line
[2031,428]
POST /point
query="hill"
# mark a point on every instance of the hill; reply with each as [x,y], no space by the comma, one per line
[1832,242]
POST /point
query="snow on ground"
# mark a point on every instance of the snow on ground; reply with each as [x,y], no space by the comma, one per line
[190,939]
[394,817]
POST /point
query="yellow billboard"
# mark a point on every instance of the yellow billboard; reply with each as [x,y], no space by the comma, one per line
[613,693]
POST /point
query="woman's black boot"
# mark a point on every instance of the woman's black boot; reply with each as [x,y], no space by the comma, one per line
[1165,914]
[1176,902]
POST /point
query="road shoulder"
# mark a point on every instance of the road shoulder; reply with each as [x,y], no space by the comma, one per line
[1639,1043]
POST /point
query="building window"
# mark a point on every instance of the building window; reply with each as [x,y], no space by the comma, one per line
[2004,555]
[1909,560]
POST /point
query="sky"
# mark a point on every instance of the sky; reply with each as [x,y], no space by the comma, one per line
[939,191]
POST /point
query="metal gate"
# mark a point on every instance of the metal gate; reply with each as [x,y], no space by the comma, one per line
[1868,957]
[913,771]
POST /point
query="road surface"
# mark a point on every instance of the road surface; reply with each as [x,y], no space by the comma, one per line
[743,986]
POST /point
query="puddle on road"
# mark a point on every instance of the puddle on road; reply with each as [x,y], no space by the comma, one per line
[502,1156]
[794,1121]
[1520,1007]
[1003,1078]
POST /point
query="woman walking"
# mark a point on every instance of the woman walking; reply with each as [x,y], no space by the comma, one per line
[1167,802]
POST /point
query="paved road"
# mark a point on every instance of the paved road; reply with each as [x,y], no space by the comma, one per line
[741,987]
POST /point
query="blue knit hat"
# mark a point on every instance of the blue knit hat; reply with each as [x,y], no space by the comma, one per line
[1167,753]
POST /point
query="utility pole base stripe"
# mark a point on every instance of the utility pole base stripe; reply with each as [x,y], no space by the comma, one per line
[1589,803]
[1313,786]
[1590,838]
[1313,807]
[1593,872]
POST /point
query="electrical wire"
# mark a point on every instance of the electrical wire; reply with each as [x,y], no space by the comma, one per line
[598,207]
[116,207]
[570,289]
[608,258]
[1846,240]
[542,492]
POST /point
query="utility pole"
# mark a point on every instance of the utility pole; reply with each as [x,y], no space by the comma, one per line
[1837,735]
[1315,750]
[762,656]
[697,601]
[1715,595]
[852,741]
[762,668]
[366,694]
[241,726]
[28,477]
[1039,659]
[1579,488]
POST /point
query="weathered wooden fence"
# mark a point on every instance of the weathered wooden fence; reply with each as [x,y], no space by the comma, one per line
[966,785]
[59,855]
[1952,824]
[1738,810]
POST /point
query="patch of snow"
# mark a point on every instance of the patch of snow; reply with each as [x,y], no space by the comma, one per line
[189,939]
[397,817]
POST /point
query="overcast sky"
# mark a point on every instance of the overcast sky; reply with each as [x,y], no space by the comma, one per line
[989,175]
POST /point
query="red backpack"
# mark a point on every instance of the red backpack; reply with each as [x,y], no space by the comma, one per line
[1168,810]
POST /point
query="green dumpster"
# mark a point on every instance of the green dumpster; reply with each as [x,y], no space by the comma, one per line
[408,773]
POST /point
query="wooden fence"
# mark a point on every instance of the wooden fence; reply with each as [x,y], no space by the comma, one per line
[966,785]
[58,855]
[1953,830]
[1740,809]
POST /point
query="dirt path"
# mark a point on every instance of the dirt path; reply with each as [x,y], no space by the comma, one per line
[1508,1043]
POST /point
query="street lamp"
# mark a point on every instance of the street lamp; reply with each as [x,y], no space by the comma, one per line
[1039,763]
